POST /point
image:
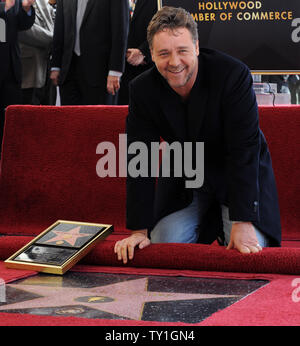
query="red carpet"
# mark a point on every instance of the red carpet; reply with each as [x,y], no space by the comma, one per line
[281,127]
[185,257]
[271,305]
[13,274]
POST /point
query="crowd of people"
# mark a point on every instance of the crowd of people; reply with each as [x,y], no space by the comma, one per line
[89,49]
[72,52]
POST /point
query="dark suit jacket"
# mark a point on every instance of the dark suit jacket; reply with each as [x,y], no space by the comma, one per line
[103,38]
[16,20]
[142,15]
[222,113]
[137,38]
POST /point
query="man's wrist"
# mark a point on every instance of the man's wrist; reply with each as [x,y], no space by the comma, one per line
[115,73]
[143,231]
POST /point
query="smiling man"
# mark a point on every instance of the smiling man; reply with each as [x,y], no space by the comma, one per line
[176,58]
[199,95]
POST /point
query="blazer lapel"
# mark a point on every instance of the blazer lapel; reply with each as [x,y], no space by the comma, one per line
[197,103]
[88,9]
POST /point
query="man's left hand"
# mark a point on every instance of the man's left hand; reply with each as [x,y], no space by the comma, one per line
[26,4]
[243,238]
[113,84]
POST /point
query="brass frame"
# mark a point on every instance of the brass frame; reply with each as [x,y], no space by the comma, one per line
[61,269]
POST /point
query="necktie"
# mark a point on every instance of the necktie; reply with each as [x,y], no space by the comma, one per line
[131,7]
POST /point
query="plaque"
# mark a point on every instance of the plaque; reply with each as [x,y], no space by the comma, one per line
[59,247]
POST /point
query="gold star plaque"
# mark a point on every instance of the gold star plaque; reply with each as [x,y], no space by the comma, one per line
[59,247]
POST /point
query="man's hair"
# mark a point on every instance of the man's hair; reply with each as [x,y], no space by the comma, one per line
[171,18]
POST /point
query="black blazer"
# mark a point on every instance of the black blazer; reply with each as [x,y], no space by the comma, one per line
[142,15]
[137,38]
[103,38]
[16,20]
[221,112]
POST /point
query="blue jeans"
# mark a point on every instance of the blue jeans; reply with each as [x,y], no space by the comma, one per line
[183,225]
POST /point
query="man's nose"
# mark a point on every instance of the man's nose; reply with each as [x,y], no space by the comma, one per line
[174,59]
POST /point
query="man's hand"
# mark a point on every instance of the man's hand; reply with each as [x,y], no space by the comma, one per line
[243,238]
[125,248]
[113,84]
[9,4]
[134,57]
[54,75]
[26,4]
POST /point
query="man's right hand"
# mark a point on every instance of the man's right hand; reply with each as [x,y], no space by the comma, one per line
[54,77]
[125,248]
[134,57]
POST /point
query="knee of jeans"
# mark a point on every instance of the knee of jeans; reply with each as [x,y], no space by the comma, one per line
[165,234]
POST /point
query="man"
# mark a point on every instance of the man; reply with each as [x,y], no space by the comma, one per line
[138,57]
[89,45]
[18,15]
[35,46]
[199,96]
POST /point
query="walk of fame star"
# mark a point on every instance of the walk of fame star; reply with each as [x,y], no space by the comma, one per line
[130,297]
[70,237]
[125,299]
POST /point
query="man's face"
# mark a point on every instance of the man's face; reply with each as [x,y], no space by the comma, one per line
[176,58]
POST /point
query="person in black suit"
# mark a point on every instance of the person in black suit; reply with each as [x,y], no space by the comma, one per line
[205,96]
[138,57]
[17,16]
[89,46]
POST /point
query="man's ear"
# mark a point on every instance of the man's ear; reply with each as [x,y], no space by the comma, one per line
[197,47]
